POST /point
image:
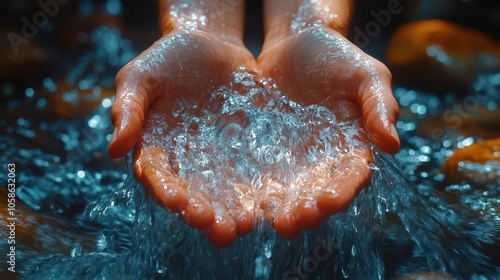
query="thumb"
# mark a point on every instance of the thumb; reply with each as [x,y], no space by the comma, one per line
[380,110]
[128,112]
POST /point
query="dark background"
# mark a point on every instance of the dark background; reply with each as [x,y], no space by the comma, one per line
[53,49]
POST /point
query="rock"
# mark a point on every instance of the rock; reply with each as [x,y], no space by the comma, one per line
[459,121]
[71,101]
[436,55]
[75,34]
[479,162]
[41,233]
[423,276]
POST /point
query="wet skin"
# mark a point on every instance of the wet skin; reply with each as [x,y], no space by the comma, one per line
[320,66]
[316,66]
[186,65]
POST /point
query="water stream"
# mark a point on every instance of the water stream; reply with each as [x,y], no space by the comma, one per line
[88,224]
[84,216]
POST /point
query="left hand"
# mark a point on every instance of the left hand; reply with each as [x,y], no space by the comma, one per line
[320,66]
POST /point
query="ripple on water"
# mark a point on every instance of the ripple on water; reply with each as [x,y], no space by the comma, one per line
[260,139]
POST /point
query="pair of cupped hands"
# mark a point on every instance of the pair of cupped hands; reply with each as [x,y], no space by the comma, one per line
[315,66]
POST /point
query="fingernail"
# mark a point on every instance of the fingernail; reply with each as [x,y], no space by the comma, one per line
[114,135]
[394,132]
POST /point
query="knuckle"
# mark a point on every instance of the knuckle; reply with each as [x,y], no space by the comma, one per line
[127,71]
[382,69]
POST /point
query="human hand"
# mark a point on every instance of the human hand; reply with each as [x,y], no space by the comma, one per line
[181,66]
[318,65]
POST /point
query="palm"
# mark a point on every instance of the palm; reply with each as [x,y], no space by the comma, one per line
[177,68]
[319,66]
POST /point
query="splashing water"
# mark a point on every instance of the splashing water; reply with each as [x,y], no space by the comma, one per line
[388,224]
[253,144]
[250,135]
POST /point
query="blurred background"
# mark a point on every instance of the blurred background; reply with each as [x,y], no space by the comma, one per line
[53,42]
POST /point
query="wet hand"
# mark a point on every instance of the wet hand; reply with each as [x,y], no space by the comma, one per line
[180,66]
[320,66]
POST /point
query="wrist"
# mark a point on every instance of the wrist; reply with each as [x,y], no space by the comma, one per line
[282,20]
[223,21]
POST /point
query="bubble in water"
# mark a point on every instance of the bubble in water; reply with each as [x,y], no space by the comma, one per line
[253,139]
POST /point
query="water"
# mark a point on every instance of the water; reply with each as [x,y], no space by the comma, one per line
[84,216]
[90,224]
[256,141]
[377,232]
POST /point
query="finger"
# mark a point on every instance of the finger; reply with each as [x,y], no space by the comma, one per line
[306,213]
[199,213]
[223,231]
[241,216]
[153,172]
[350,176]
[269,199]
[243,220]
[380,110]
[285,223]
[128,112]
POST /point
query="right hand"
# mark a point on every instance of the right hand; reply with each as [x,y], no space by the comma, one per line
[318,65]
